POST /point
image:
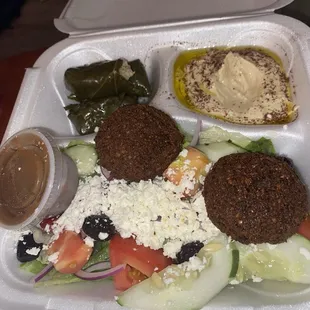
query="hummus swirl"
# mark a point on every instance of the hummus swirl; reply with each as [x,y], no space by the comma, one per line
[243,85]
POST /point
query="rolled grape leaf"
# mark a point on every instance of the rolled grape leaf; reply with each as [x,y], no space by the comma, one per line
[88,115]
[107,79]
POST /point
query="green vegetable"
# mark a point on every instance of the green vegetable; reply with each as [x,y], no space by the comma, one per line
[34,266]
[88,115]
[84,155]
[262,145]
[107,79]
[216,135]
[100,254]
[187,137]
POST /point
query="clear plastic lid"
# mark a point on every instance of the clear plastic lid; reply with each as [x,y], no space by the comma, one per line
[82,17]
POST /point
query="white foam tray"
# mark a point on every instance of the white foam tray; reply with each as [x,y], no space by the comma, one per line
[41,103]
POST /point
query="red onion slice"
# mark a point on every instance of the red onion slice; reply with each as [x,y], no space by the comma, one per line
[99,266]
[43,273]
[90,276]
[196,133]
[106,173]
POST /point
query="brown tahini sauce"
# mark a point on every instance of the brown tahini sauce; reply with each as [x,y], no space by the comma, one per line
[24,171]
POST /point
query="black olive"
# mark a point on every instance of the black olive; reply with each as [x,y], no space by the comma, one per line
[27,248]
[187,251]
[99,227]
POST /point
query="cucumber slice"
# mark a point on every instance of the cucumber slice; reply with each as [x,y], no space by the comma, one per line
[189,290]
[215,151]
[216,134]
[84,156]
[286,261]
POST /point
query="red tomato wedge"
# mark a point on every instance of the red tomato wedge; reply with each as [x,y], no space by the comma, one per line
[141,261]
[73,253]
[304,228]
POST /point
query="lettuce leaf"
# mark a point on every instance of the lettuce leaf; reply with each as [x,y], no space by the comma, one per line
[100,254]
[262,145]
[34,266]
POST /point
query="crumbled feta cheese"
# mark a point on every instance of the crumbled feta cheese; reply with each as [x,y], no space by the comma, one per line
[208,167]
[20,234]
[168,281]
[183,153]
[234,282]
[271,246]
[53,258]
[96,129]
[256,279]
[44,247]
[194,264]
[33,251]
[89,241]
[103,236]
[305,253]
[135,209]
[253,247]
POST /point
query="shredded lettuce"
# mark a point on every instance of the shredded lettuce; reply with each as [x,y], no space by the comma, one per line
[100,254]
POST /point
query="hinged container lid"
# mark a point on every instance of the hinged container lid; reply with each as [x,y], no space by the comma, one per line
[82,16]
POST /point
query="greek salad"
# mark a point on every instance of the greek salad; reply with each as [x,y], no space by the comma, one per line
[154,238]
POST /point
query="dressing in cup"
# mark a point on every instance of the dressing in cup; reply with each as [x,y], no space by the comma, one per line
[37,180]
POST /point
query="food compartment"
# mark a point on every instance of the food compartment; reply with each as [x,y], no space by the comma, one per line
[158,51]
[72,58]
[242,81]
[91,81]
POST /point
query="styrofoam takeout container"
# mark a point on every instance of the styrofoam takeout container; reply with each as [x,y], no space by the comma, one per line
[155,32]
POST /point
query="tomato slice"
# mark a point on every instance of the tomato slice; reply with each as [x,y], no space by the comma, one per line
[141,261]
[73,253]
[304,228]
[127,278]
[192,167]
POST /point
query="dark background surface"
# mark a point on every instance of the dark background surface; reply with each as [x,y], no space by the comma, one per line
[30,30]
[299,9]
[29,23]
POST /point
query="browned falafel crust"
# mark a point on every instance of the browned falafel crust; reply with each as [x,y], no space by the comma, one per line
[255,198]
[138,142]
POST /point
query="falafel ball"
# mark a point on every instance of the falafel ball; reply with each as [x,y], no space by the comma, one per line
[255,198]
[138,142]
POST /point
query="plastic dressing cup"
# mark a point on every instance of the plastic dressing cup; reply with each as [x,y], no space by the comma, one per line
[37,180]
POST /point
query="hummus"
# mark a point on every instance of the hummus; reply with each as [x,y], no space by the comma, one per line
[244,85]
